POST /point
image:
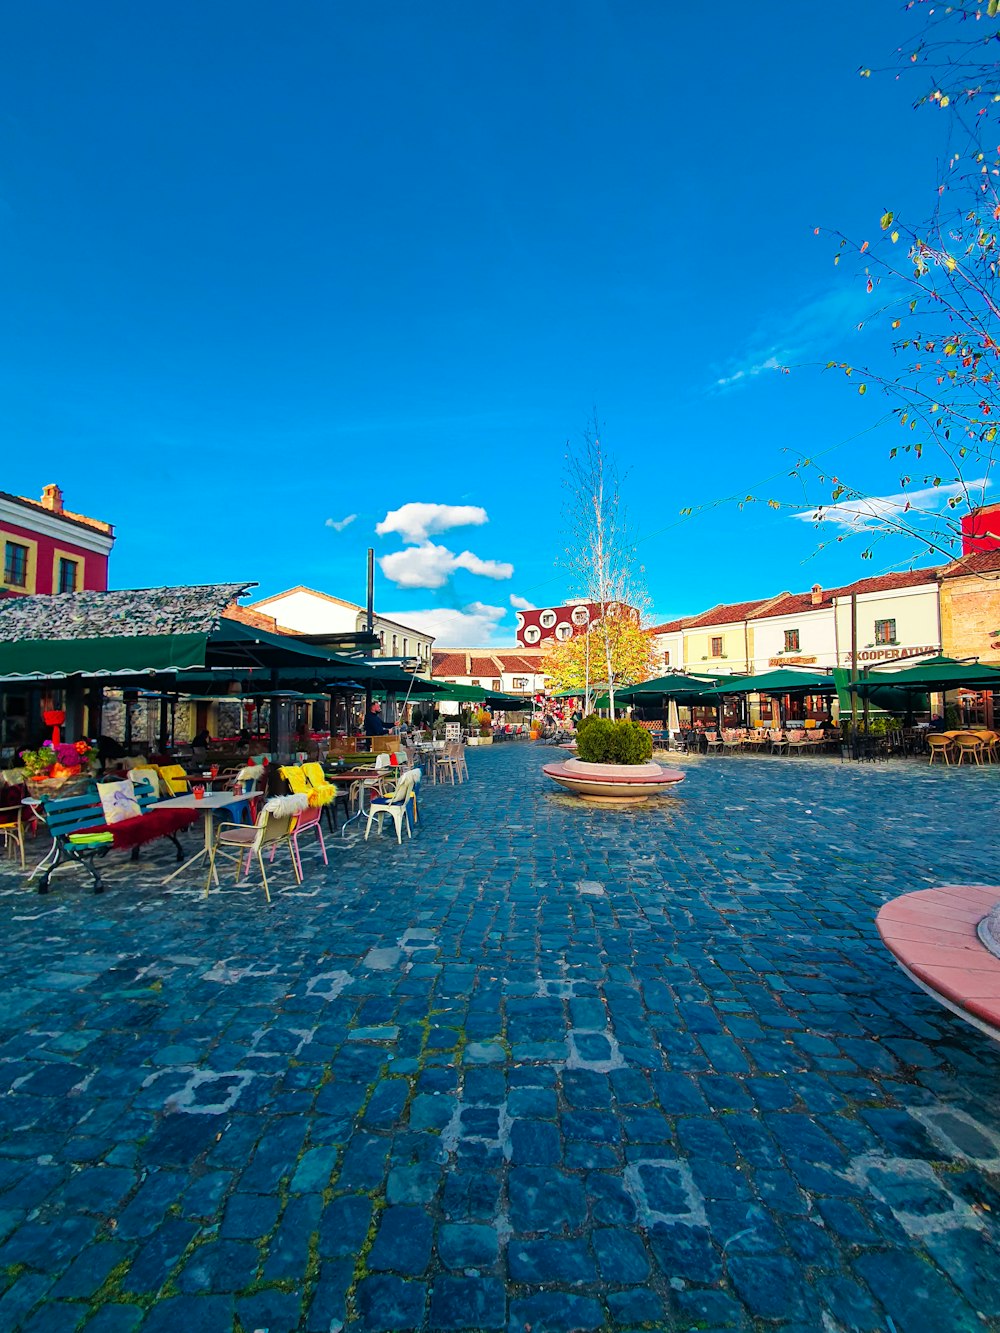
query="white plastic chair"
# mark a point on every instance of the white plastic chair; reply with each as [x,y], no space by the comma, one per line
[396,807]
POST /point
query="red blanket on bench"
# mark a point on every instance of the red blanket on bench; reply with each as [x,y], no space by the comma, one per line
[145,828]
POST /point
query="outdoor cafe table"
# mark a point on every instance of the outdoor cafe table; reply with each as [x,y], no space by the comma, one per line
[207,806]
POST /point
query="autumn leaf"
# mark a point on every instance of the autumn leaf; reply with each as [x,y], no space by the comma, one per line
[885,222]
[862,388]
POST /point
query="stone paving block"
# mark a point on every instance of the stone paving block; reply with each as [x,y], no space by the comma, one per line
[194,1314]
[219,1266]
[158,1256]
[402,1241]
[115,1319]
[465,1303]
[912,1292]
[55,1317]
[390,1303]
[545,1200]
[556,1312]
[86,1274]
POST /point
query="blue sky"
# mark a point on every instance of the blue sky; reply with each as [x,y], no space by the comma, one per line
[266,267]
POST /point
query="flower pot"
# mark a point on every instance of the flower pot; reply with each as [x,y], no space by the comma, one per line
[617,783]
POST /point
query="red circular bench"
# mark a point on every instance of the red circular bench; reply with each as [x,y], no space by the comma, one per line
[932,935]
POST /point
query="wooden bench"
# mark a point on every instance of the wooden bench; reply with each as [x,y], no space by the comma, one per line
[82,816]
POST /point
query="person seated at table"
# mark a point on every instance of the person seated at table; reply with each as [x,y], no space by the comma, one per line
[201,741]
[374,726]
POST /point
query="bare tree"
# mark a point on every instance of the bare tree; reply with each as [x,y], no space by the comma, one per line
[935,284]
[600,554]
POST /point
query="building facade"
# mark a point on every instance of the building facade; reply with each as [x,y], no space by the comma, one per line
[47,548]
[504,670]
[555,624]
[307,611]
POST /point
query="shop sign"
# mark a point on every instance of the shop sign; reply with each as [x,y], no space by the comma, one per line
[791,661]
[887,654]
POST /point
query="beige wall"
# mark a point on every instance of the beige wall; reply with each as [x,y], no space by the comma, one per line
[737,643]
[970,617]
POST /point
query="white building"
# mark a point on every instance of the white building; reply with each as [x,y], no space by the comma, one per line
[307,611]
[503,670]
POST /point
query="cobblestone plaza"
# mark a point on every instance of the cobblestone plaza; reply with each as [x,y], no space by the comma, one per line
[546,1067]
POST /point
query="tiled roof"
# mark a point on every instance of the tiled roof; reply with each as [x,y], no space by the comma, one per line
[907,578]
[791,604]
[978,562]
[448,664]
[96,523]
[669,626]
[732,613]
[483,666]
[475,664]
[122,612]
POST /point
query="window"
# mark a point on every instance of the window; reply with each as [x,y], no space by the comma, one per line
[666,658]
[564,631]
[394,646]
[547,619]
[475,682]
[67,576]
[406,647]
[532,634]
[496,686]
[15,565]
[885,631]
[520,682]
[716,647]
[791,641]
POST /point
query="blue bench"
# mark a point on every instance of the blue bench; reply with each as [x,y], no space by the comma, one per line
[81,833]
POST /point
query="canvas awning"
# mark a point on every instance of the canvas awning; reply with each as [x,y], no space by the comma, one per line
[781,681]
[939,673]
[667,686]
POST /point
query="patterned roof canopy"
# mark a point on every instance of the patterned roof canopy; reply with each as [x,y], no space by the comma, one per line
[121,613]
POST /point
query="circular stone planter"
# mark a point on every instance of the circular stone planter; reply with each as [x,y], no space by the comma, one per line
[617,783]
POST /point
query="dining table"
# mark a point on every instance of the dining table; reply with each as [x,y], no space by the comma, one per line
[207,806]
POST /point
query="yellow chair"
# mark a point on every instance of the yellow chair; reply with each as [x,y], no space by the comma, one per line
[12,828]
[967,743]
[174,779]
[939,745]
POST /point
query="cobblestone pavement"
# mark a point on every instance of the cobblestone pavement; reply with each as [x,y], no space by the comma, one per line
[547,1068]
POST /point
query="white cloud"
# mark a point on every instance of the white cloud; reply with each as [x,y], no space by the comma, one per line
[430,566]
[794,333]
[472,627]
[747,372]
[415,522]
[521,603]
[876,511]
[339,524]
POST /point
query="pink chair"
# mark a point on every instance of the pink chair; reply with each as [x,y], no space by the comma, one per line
[309,819]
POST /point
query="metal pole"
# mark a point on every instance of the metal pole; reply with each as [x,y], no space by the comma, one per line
[370,618]
[586,679]
[854,662]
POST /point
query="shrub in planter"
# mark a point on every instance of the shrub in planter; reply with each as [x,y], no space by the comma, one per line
[599,741]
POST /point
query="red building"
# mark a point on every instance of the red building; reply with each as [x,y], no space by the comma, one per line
[547,623]
[981,529]
[49,549]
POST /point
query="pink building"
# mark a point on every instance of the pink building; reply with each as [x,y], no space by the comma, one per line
[49,549]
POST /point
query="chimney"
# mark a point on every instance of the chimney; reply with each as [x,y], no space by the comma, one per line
[817,595]
[52,498]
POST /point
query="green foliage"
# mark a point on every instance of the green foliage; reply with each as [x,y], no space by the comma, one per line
[952,717]
[599,741]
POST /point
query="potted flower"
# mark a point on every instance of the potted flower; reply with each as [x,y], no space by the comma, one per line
[613,764]
[482,721]
[57,768]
